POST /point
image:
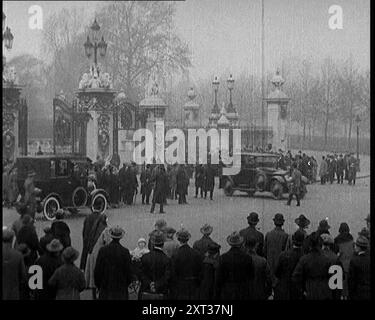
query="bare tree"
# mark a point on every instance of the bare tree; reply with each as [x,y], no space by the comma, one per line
[142,39]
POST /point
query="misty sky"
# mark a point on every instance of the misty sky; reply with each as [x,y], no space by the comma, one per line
[225,35]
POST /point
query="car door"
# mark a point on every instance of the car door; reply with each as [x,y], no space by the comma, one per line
[245,176]
[64,187]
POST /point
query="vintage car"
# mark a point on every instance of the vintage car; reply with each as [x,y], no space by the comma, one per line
[259,173]
[62,180]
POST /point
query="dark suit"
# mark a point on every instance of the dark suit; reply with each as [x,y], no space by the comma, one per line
[251,232]
[209,181]
[49,264]
[112,272]
[14,273]
[155,267]
[202,244]
[186,273]
[285,288]
[261,283]
[27,235]
[359,277]
[234,274]
[88,224]
[311,274]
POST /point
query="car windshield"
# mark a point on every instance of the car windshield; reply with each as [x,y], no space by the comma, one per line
[268,162]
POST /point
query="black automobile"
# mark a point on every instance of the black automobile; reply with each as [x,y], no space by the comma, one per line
[259,172]
[63,181]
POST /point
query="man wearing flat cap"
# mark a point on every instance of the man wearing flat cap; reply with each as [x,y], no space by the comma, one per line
[186,269]
[275,242]
[359,284]
[155,269]
[113,273]
[202,244]
[14,271]
[252,232]
[235,271]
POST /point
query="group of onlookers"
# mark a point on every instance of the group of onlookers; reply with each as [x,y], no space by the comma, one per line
[339,167]
[276,265]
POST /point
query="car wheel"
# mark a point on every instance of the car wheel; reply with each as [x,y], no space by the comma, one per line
[50,206]
[228,189]
[277,190]
[79,198]
[99,203]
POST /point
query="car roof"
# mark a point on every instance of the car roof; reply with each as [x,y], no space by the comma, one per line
[258,154]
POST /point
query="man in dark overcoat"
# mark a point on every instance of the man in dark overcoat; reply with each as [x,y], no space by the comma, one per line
[295,185]
[340,169]
[121,176]
[88,224]
[155,268]
[182,180]
[49,262]
[261,283]
[113,273]
[146,184]
[312,272]
[14,271]
[252,232]
[275,242]
[285,289]
[203,243]
[359,284]
[209,272]
[30,194]
[199,180]
[160,189]
[235,271]
[209,181]
[186,269]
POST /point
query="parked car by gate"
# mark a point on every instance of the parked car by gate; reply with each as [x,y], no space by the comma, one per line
[62,180]
[259,173]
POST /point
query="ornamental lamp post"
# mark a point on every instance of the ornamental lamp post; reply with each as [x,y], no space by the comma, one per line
[215,86]
[93,47]
[358,121]
[230,83]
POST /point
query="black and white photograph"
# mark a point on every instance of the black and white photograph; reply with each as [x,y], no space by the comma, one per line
[195,152]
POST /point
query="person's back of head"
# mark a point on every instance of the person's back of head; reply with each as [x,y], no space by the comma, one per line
[27,220]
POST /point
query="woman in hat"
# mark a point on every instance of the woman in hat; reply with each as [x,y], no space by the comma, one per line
[49,262]
[68,280]
[235,271]
[99,237]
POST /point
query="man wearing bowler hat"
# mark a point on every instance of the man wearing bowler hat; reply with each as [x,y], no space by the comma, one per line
[186,269]
[252,232]
[156,269]
[285,289]
[202,244]
[235,271]
[275,242]
[359,271]
[112,272]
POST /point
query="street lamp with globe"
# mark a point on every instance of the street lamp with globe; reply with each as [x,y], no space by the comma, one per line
[95,46]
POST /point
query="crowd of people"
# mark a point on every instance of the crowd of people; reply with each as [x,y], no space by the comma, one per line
[276,265]
[160,181]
